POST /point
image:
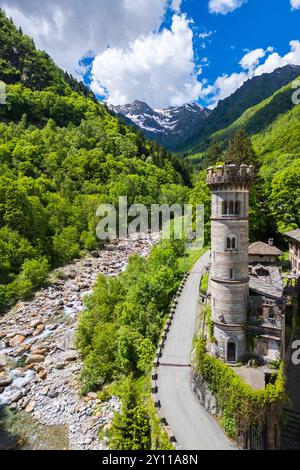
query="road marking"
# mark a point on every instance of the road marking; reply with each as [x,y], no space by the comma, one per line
[174,365]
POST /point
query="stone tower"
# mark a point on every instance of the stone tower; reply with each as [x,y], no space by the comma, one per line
[229,257]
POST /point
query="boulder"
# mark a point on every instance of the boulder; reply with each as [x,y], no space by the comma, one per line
[42,374]
[34,359]
[30,407]
[44,391]
[16,397]
[35,323]
[71,356]
[5,379]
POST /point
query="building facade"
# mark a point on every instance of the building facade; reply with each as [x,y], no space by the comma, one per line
[294,250]
[229,257]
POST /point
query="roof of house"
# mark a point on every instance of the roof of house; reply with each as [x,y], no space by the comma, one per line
[294,234]
[261,248]
[266,281]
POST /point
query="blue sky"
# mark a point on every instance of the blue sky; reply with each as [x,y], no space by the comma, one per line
[164,52]
[257,24]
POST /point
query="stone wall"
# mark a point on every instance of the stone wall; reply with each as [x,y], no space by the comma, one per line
[265,437]
[202,392]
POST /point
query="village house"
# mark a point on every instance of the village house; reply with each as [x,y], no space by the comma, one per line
[260,252]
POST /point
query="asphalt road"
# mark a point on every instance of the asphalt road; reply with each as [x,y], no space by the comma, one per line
[193,427]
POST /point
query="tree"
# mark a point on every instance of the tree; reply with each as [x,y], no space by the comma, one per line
[131,427]
[241,150]
[214,153]
[284,198]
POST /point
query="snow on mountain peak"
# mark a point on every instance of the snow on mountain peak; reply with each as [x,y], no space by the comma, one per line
[169,126]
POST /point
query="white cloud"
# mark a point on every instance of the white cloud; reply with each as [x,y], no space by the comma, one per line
[225,85]
[206,34]
[67,29]
[224,6]
[295,4]
[274,60]
[251,60]
[158,68]
[176,5]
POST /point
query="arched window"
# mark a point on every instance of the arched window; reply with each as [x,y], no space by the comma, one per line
[228,243]
[231,207]
[224,207]
[231,243]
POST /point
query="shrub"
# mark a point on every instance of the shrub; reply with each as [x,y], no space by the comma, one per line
[241,405]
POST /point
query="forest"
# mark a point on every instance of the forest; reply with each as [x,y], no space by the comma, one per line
[61,155]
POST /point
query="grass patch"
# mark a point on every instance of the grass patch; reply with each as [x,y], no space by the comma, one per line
[192,255]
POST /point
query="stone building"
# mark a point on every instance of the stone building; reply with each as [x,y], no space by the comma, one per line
[229,258]
[294,243]
[245,283]
[260,252]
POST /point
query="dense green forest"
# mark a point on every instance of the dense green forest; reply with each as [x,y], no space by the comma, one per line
[61,155]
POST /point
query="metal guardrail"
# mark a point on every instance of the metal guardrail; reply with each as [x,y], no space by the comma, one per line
[157,363]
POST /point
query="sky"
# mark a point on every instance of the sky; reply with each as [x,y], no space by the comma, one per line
[163,52]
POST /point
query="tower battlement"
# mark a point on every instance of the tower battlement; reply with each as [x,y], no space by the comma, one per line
[230,174]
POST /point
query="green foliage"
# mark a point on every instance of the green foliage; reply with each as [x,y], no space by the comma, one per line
[61,155]
[209,323]
[241,405]
[131,427]
[204,283]
[21,62]
[241,150]
[159,438]
[232,113]
[214,153]
[228,424]
[284,197]
[120,327]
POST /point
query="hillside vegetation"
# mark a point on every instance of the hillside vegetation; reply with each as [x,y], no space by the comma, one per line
[250,94]
[274,128]
[61,155]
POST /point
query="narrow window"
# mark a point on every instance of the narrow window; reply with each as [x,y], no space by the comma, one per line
[231,273]
[224,207]
[228,243]
[231,204]
[237,207]
[233,243]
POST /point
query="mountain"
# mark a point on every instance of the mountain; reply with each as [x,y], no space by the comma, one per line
[251,93]
[62,154]
[170,127]
[274,128]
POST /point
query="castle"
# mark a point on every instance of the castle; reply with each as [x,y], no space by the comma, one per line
[246,289]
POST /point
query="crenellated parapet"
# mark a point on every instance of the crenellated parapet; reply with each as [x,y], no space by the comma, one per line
[230,174]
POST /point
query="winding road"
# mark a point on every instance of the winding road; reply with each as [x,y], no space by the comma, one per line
[193,427]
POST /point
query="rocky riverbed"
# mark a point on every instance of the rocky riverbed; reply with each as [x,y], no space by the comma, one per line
[39,366]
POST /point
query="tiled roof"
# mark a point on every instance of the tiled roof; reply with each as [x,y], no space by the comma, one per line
[261,248]
[269,285]
[294,234]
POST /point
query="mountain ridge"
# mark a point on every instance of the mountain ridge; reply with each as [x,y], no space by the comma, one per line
[189,128]
[169,126]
